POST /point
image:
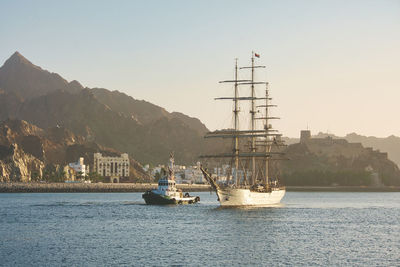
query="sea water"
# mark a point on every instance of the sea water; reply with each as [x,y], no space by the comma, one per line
[118,229]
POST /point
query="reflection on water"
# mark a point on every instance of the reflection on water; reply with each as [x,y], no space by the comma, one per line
[119,229]
[280,205]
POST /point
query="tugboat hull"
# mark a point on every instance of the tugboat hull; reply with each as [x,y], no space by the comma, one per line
[157,199]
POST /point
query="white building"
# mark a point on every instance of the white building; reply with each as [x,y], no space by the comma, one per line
[113,167]
[146,167]
[156,170]
[80,167]
[222,174]
[194,174]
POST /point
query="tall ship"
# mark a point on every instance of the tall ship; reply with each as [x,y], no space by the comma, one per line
[248,182]
[167,192]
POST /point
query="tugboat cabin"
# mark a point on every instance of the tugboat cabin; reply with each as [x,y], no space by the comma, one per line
[166,185]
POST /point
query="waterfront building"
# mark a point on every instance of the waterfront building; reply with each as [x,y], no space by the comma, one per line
[69,173]
[146,167]
[79,167]
[183,174]
[112,167]
[225,173]
[194,174]
[157,170]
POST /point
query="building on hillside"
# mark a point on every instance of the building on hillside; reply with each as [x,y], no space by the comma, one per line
[69,173]
[194,174]
[111,167]
[157,170]
[225,174]
[305,135]
[375,177]
[179,171]
[146,168]
[80,168]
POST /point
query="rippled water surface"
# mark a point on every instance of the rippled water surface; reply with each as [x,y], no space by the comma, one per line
[339,229]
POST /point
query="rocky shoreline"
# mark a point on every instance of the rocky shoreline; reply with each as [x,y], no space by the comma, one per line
[136,187]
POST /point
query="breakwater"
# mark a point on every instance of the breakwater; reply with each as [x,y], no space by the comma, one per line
[89,188]
[133,187]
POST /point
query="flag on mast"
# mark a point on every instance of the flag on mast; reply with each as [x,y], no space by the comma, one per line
[256,55]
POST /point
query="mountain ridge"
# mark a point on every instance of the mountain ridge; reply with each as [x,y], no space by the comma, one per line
[20,76]
[390,144]
[97,118]
[112,118]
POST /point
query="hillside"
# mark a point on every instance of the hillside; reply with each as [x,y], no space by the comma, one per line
[63,120]
[390,144]
[327,161]
[28,152]
[148,133]
[142,111]
[20,77]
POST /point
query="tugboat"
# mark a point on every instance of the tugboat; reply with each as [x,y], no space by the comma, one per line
[167,193]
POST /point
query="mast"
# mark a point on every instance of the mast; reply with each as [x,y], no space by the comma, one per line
[253,112]
[257,138]
[267,147]
[171,171]
[236,114]
[270,139]
[235,133]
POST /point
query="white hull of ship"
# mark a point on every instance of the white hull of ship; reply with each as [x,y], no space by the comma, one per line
[245,197]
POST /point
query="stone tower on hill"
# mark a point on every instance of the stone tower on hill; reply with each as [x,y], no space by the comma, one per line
[305,135]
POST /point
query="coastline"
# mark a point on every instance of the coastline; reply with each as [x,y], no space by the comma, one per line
[343,188]
[137,187]
[89,188]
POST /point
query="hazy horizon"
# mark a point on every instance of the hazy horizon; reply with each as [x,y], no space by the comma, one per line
[333,66]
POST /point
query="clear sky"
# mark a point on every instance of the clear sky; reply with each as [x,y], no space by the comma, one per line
[333,65]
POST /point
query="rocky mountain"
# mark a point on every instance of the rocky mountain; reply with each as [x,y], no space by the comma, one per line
[20,77]
[27,152]
[21,152]
[113,119]
[324,161]
[48,121]
[142,111]
[390,144]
